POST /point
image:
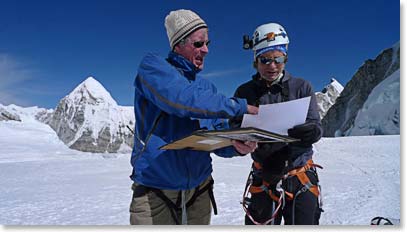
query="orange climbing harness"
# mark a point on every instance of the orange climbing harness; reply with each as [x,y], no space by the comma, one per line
[280,198]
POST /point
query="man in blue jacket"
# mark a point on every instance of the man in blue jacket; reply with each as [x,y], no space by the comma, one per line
[175,186]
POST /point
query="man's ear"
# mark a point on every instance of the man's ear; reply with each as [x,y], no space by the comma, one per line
[286,59]
[176,48]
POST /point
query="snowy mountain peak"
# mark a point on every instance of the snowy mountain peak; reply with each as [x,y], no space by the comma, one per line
[335,84]
[327,97]
[91,91]
[89,119]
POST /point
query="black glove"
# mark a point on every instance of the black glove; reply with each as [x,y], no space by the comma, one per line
[308,132]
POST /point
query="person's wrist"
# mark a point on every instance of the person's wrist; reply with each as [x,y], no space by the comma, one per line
[239,154]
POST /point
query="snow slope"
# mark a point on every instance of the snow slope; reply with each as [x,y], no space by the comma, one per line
[46,183]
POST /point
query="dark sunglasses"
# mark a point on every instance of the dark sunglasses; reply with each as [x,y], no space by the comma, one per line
[277,60]
[199,44]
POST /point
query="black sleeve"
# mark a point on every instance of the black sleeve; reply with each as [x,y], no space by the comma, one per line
[235,122]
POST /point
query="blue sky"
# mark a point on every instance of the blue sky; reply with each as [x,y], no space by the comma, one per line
[49,47]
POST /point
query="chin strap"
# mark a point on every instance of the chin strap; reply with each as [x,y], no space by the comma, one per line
[275,81]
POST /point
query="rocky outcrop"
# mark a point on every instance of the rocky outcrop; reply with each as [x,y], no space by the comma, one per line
[6,115]
[44,115]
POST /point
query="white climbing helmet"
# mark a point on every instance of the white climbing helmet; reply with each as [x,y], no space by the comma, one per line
[268,35]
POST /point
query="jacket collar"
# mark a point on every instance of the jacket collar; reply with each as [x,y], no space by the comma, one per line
[187,68]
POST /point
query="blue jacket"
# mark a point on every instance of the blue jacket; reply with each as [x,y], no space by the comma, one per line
[168,94]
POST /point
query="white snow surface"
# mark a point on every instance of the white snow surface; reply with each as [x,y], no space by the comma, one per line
[46,183]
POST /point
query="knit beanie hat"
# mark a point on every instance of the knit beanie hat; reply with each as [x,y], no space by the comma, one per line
[180,24]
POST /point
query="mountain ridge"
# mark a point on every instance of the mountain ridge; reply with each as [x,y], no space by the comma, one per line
[340,118]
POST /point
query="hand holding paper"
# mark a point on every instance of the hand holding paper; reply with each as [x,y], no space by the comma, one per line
[307,132]
[252,109]
[244,148]
[279,117]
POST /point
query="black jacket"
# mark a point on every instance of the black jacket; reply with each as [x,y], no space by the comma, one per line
[274,156]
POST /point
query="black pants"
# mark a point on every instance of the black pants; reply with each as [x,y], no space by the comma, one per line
[305,210]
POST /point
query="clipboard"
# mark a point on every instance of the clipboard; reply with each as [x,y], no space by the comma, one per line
[204,140]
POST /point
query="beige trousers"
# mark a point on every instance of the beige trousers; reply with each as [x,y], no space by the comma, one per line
[149,209]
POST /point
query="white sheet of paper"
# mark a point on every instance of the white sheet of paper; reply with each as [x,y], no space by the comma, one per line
[279,117]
